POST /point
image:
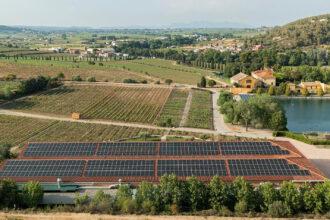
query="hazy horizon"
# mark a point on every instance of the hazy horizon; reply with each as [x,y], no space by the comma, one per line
[157,13]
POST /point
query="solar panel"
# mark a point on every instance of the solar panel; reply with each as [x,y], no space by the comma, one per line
[250,148]
[127,149]
[188,148]
[60,149]
[265,167]
[36,168]
[120,168]
[192,167]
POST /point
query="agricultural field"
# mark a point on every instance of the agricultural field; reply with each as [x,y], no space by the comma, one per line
[117,103]
[201,114]
[19,130]
[165,69]
[174,107]
[31,68]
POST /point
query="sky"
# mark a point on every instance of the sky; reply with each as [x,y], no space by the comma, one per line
[156,13]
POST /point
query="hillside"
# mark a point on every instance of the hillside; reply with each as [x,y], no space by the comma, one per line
[6,29]
[311,31]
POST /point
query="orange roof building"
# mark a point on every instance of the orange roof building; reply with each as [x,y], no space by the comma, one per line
[266,76]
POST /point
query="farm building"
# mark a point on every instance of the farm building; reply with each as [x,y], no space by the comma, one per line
[133,162]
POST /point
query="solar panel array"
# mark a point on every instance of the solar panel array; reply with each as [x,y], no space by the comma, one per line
[37,168]
[188,148]
[60,149]
[150,149]
[153,159]
[192,167]
[120,168]
[251,148]
[265,167]
[126,149]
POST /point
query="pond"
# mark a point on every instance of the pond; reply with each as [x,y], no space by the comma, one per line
[307,115]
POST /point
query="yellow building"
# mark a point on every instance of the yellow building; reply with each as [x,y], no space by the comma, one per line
[244,81]
[313,87]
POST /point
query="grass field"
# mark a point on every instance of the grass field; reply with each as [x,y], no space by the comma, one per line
[165,69]
[19,130]
[174,107]
[29,68]
[118,103]
[200,114]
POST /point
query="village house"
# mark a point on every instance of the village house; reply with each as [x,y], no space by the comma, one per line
[266,76]
[313,87]
[243,83]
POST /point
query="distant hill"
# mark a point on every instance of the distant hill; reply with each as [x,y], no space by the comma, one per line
[311,31]
[7,29]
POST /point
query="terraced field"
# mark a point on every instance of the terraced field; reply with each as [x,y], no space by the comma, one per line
[19,130]
[200,114]
[174,107]
[118,103]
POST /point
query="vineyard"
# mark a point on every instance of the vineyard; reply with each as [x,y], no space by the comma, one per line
[174,107]
[31,68]
[164,69]
[19,130]
[118,103]
[200,114]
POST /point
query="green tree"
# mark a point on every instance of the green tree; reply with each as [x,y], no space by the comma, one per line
[288,91]
[197,194]
[219,195]
[102,203]
[224,97]
[171,191]
[203,82]
[60,76]
[147,197]
[320,92]
[304,92]
[268,194]
[81,199]
[211,83]
[245,195]
[32,193]
[278,121]
[271,90]
[5,152]
[291,197]
[9,197]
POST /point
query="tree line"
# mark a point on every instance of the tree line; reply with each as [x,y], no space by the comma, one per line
[174,196]
[29,86]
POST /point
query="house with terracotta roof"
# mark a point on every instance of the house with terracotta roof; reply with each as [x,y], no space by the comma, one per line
[266,76]
[244,81]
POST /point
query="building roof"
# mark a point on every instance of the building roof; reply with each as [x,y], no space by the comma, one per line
[264,74]
[238,77]
[316,83]
[134,162]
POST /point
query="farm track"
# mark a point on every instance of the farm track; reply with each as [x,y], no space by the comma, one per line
[102,122]
[186,109]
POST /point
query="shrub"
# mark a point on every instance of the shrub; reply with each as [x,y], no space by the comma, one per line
[130,81]
[168,81]
[77,78]
[91,79]
[241,207]
[32,194]
[129,206]
[144,81]
[10,77]
[278,210]
[211,83]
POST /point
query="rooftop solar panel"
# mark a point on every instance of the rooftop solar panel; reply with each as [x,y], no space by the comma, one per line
[250,148]
[188,148]
[119,168]
[60,149]
[41,168]
[265,167]
[192,167]
[126,149]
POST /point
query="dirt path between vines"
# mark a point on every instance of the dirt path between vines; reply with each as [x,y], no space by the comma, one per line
[186,109]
